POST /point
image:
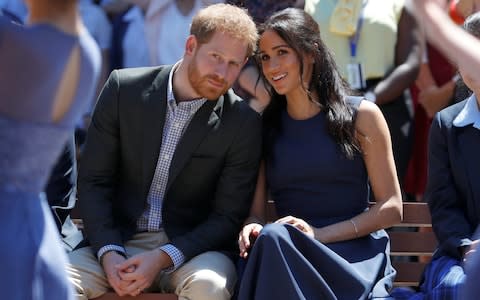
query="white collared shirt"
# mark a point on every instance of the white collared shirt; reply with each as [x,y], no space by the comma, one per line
[177,119]
[470,114]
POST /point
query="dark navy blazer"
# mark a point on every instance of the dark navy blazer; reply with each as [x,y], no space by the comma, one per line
[453,188]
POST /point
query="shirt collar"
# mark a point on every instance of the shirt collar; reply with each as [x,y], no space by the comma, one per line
[470,114]
[170,94]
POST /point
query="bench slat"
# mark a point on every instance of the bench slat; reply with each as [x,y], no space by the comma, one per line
[415,214]
[408,273]
[412,243]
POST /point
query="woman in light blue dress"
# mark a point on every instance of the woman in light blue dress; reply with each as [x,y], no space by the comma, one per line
[324,151]
[48,73]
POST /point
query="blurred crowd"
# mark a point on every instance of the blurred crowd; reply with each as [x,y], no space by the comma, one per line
[393,64]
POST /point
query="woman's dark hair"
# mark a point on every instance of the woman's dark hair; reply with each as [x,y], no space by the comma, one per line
[300,31]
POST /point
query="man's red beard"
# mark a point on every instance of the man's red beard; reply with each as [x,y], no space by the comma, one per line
[208,86]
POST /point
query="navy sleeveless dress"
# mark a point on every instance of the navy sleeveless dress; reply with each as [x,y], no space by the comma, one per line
[32,64]
[309,177]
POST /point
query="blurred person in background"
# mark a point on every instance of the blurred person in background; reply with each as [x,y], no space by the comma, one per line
[150,33]
[377,46]
[452,192]
[99,27]
[437,86]
[49,71]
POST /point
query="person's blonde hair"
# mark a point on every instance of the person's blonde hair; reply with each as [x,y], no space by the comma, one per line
[228,19]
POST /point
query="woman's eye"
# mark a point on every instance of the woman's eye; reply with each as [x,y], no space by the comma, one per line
[264,57]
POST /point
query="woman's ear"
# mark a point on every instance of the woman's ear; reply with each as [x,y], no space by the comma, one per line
[309,58]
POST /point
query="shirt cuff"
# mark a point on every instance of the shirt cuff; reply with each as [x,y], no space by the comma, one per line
[176,256]
[107,248]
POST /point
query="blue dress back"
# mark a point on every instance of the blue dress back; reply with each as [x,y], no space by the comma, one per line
[32,66]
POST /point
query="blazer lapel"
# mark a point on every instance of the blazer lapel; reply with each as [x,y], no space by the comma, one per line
[206,118]
[154,101]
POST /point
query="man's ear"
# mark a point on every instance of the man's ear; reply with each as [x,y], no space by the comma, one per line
[191,45]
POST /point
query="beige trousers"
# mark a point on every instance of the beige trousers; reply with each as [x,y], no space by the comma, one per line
[210,275]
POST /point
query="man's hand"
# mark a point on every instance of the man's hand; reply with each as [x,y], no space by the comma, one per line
[142,269]
[109,261]
[247,236]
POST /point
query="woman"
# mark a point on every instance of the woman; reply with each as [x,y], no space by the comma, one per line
[48,75]
[321,149]
[381,47]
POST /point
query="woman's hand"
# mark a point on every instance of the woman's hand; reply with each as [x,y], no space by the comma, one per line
[299,224]
[247,237]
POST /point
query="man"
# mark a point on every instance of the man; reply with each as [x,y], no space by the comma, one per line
[169,168]
[453,193]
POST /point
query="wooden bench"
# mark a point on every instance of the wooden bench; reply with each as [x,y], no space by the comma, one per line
[412,243]
[408,242]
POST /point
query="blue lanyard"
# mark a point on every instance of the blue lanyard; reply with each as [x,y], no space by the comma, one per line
[356,37]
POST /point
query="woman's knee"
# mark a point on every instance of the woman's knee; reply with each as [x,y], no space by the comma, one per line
[273,231]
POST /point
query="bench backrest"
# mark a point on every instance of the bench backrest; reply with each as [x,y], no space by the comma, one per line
[405,241]
[414,242]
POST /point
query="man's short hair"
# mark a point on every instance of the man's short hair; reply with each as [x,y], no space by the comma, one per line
[228,19]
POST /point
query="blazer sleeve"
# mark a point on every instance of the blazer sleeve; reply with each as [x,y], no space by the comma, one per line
[98,169]
[446,205]
[233,194]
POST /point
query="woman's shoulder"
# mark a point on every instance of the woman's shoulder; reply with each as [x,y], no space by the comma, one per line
[360,105]
[369,118]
